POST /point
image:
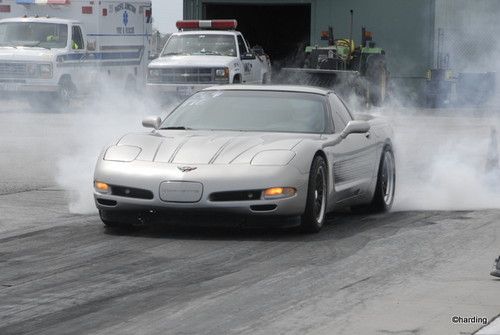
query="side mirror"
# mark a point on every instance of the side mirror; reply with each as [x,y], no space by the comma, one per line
[355,127]
[248,56]
[151,122]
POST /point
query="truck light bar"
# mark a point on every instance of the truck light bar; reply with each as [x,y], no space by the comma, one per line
[43,2]
[4,8]
[207,24]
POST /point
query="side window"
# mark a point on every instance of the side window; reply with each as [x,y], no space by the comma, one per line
[76,38]
[339,111]
[241,46]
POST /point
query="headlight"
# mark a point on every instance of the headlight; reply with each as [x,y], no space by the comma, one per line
[222,74]
[45,70]
[154,73]
[273,157]
[122,153]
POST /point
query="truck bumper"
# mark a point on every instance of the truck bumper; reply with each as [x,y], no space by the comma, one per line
[12,87]
[181,90]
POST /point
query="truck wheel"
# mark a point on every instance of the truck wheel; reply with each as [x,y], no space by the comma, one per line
[237,79]
[317,192]
[377,78]
[65,92]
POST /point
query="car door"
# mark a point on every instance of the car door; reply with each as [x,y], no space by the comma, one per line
[352,159]
[251,66]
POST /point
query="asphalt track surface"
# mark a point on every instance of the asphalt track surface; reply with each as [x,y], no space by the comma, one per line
[405,272]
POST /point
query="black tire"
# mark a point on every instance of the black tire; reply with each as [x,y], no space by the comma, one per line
[109,223]
[65,92]
[317,193]
[377,78]
[386,183]
[237,79]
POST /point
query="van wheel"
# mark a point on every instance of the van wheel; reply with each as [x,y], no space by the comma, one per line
[237,79]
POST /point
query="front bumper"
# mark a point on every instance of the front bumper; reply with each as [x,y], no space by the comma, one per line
[213,178]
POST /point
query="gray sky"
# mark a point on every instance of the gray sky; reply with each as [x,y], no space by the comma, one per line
[166,13]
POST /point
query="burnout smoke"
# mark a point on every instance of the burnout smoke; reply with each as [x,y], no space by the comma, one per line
[97,121]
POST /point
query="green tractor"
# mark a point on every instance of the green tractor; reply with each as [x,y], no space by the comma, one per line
[345,67]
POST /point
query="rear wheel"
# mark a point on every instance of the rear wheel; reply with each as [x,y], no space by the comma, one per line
[386,183]
[314,216]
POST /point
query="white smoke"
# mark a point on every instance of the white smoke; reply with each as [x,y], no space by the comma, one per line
[97,121]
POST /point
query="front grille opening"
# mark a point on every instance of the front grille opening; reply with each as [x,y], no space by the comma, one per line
[131,192]
[236,195]
[106,202]
[263,208]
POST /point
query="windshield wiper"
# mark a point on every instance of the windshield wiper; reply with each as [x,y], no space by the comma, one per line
[177,128]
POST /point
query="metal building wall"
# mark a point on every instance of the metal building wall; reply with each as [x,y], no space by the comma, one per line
[404,28]
[470,34]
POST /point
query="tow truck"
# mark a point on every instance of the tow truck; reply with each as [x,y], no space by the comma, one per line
[52,50]
[204,53]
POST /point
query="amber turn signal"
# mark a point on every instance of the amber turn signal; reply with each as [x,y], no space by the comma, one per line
[102,187]
[279,192]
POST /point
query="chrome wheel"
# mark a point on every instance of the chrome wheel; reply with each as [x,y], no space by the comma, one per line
[388,178]
[320,195]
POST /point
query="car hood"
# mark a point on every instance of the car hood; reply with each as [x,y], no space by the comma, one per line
[191,61]
[26,54]
[198,147]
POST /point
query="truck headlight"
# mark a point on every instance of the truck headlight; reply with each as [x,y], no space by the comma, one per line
[45,70]
[222,74]
[154,73]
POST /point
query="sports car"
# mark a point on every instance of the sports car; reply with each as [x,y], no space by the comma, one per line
[253,153]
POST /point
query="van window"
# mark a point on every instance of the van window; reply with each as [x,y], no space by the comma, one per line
[242,46]
[76,38]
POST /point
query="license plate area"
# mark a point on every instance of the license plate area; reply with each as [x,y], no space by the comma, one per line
[181,191]
[185,90]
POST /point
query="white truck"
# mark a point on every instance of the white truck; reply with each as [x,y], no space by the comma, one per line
[51,50]
[204,53]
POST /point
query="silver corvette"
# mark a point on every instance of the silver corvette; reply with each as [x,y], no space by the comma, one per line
[250,153]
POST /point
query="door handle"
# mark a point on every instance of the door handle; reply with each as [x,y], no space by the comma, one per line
[367,135]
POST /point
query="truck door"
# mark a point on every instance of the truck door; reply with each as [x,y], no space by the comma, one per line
[81,74]
[251,65]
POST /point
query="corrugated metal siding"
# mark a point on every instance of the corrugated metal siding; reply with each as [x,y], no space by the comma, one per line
[470,33]
[404,28]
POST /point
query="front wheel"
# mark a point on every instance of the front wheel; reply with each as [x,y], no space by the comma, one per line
[314,216]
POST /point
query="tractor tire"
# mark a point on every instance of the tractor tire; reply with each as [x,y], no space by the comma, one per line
[377,78]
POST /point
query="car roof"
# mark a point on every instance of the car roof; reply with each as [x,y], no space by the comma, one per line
[270,88]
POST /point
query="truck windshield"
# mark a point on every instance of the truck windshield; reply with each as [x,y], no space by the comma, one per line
[199,44]
[33,34]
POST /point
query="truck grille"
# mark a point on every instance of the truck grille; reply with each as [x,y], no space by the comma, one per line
[190,75]
[13,70]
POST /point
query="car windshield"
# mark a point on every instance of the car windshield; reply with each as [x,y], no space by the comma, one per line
[267,111]
[33,34]
[199,44]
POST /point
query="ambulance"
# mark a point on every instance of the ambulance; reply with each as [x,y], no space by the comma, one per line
[55,50]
